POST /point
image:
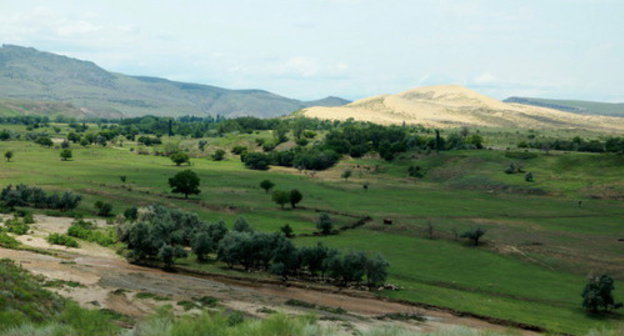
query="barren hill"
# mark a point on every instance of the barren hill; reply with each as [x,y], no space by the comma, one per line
[446,106]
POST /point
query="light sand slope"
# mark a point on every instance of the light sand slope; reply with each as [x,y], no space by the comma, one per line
[452,106]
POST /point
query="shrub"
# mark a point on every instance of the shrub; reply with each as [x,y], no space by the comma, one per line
[61,239]
[324,224]
[179,158]
[103,209]
[66,154]
[218,155]
[267,185]
[8,241]
[474,235]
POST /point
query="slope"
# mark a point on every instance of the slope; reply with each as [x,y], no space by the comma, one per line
[447,106]
[29,74]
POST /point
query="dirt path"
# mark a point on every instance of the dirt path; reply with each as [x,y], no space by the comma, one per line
[108,281]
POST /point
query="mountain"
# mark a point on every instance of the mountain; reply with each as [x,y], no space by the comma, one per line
[27,74]
[574,106]
[452,106]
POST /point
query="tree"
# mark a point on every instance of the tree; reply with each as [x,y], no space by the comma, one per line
[287,231]
[8,155]
[218,155]
[267,185]
[281,197]
[474,235]
[529,177]
[346,174]
[598,294]
[324,224]
[295,197]
[179,158]
[103,209]
[131,214]
[123,178]
[66,154]
[241,225]
[257,161]
[376,271]
[167,254]
[185,182]
[201,245]
[202,145]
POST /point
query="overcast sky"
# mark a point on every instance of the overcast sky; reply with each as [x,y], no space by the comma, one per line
[309,49]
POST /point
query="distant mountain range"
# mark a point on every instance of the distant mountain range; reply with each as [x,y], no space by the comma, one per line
[574,106]
[60,84]
[446,106]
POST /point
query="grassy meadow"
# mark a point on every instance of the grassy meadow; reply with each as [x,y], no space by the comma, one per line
[540,246]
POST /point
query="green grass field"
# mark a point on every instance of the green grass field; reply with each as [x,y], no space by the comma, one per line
[540,244]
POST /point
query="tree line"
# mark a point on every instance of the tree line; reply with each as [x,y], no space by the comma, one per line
[23,195]
[164,234]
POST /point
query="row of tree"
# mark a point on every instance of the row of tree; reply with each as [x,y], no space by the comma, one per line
[610,145]
[163,234]
[23,195]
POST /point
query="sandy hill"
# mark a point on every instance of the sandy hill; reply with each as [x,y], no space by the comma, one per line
[446,106]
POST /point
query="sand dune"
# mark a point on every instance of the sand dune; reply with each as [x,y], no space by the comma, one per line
[447,106]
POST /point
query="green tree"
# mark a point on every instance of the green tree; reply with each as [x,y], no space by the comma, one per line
[281,197]
[346,174]
[185,182]
[295,197]
[131,214]
[201,245]
[474,235]
[8,155]
[598,294]
[287,231]
[103,209]
[218,155]
[324,224]
[376,271]
[167,255]
[66,154]
[179,158]
[241,225]
[267,185]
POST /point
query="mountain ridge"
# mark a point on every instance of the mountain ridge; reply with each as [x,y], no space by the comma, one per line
[571,105]
[27,74]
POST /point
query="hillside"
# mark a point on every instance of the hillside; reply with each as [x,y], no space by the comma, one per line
[575,106]
[27,74]
[452,106]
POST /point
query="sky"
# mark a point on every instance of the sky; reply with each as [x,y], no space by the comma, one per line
[309,49]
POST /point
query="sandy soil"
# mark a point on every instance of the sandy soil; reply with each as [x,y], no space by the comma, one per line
[110,282]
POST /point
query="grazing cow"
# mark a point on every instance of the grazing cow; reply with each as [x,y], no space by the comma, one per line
[387,221]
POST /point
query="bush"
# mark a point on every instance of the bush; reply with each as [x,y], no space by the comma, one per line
[8,241]
[238,150]
[257,161]
[87,231]
[179,158]
[324,224]
[60,239]
[104,209]
[218,155]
